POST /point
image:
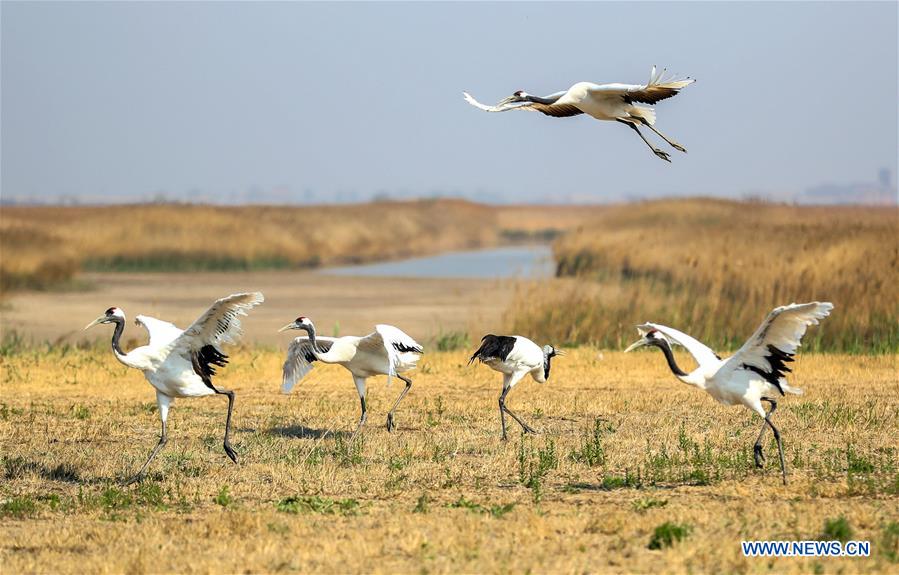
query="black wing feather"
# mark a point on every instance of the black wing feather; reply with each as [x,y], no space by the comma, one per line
[650,94]
[494,347]
[558,111]
[778,360]
[403,348]
[204,362]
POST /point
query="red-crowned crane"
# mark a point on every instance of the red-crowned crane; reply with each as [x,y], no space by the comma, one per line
[386,351]
[755,373]
[515,357]
[181,363]
[621,103]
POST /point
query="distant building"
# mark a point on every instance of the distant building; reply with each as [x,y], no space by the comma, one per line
[879,193]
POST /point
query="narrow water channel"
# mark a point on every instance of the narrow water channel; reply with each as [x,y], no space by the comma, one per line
[526,262]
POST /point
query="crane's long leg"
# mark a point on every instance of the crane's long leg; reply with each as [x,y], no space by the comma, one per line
[672,143]
[507,385]
[502,406]
[360,387]
[757,452]
[757,448]
[390,424]
[162,402]
[228,449]
[660,153]
[502,410]
[361,419]
[780,447]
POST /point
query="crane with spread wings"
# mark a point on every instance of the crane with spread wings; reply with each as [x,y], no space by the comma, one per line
[181,363]
[627,104]
[386,351]
[756,373]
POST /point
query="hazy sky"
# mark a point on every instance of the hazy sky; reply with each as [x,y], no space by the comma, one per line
[220,100]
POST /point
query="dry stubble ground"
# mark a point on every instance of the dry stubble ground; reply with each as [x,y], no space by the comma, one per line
[624,449]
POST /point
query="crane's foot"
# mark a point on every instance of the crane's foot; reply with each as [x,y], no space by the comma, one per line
[759,456]
[662,154]
[390,423]
[678,147]
[230,451]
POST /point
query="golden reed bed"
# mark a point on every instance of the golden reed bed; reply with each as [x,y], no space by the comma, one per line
[46,246]
[715,269]
[711,267]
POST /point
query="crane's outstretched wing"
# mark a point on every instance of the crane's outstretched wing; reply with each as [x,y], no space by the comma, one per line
[556,110]
[300,359]
[658,88]
[161,332]
[775,342]
[391,341]
[703,355]
[220,324]
[201,342]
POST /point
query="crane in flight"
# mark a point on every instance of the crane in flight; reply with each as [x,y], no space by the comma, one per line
[627,104]
[756,373]
[386,351]
[180,363]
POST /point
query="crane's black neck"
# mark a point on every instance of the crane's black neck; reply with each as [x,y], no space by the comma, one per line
[547,359]
[310,330]
[669,356]
[539,100]
[117,335]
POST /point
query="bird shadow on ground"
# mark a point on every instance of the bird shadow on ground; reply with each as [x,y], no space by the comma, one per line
[19,467]
[303,432]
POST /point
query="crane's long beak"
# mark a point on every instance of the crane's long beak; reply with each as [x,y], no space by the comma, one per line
[637,344]
[95,322]
[291,325]
[511,100]
[561,352]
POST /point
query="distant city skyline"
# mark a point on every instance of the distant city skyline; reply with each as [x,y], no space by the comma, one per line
[345,102]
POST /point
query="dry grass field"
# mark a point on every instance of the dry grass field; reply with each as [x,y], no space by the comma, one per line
[633,471]
[715,268]
[45,247]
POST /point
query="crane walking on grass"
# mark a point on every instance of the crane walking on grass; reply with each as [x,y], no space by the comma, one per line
[755,373]
[386,351]
[611,102]
[181,363]
[515,357]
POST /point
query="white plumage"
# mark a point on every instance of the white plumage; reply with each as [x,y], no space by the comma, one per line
[515,357]
[755,373]
[624,103]
[180,363]
[386,351]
